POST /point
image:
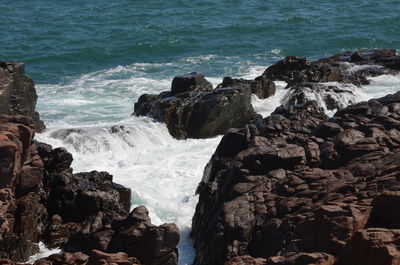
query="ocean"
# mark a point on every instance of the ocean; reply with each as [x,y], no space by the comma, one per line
[91,60]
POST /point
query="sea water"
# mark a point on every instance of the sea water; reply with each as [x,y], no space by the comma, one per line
[91,60]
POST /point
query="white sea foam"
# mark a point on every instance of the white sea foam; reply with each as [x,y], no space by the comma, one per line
[162,172]
[43,253]
[266,106]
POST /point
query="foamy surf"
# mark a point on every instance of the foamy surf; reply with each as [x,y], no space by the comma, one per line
[90,116]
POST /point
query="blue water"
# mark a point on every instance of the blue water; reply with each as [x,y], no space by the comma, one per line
[91,60]
[59,39]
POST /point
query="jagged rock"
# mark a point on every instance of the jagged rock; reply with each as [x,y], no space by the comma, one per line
[386,58]
[17,93]
[41,199]
[246,260]
[374,246]
[330,97]
[196,113]
[302,259]
[337,68]
[64,258]
[190,82]
[134,235]
[260,86]
[98,257]
[295,70]
[21,189]
[297,182]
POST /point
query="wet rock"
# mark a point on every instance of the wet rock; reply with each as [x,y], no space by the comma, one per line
[330,97]
[295,70]
[41,199]
[17,93]
[347,67]
[196,113]
[260,86]
[190,82]
[134,235]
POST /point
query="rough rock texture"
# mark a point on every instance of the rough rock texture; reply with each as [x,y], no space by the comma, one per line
[346,67]
[330,97]
[22,215]
[373,246]
[260,86]
[134,235]
[96,258]
[296,182]
[295,70]
[17,93]
[41,199]
[309,80]
[192,109]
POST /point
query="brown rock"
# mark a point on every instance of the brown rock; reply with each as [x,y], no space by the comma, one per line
[17,93]
[375,246]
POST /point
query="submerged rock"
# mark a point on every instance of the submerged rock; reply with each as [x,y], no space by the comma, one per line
[17,93]
[296,183]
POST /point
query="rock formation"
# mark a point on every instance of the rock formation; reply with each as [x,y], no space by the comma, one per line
[17,93]
[193,109]
[299,188]
[41,199]
[307,80]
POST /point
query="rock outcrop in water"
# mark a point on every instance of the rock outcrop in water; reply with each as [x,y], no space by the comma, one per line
[17,93]
[41,199]
[306,80]
[299,188]
[193,109]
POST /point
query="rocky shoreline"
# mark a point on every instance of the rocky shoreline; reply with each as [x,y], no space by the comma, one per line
[296,187]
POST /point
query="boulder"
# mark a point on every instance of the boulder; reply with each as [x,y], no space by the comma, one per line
[133,235]
[17,93]
[190,82]
[197,112]
[375,246]
[260,86]
[302,259]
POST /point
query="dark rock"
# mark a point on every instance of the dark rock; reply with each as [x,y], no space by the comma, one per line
[64,258]
[302,259]
[329,97]
[199,114]
[17,93]
[41,199]
[375,246]
[261,86]
[295,184]
[246,260]
[134,235]
[337,68]
[189,82]
[120,258]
